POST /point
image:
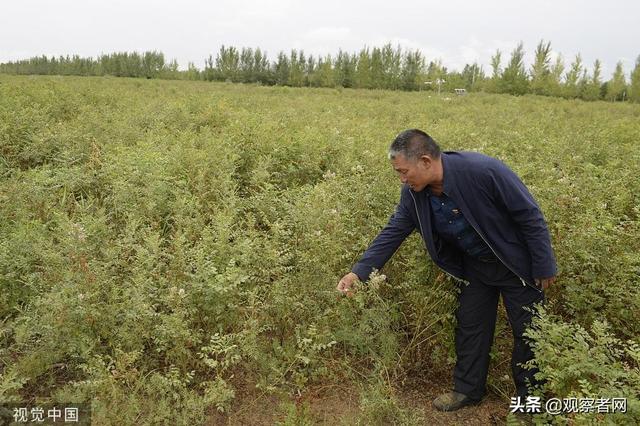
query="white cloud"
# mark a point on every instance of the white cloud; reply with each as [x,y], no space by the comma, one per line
[325,34]
[429,52]
[472,50]
[321,41]
[273,9]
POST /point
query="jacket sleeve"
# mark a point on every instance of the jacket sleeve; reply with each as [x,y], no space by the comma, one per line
[398,228]
[524,211]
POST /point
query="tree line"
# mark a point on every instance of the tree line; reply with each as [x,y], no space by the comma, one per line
[150,64]
[386,67]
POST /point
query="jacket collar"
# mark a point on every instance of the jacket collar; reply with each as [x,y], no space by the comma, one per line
[448,179]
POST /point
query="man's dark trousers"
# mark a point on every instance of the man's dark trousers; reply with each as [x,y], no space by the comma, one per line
[476,317]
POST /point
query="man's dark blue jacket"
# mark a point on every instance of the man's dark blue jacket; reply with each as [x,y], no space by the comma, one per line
[496,204]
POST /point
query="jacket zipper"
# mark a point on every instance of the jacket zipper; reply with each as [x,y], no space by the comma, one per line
[524,283]
[424,243]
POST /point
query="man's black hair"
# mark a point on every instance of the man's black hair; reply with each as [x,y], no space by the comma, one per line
[413,144]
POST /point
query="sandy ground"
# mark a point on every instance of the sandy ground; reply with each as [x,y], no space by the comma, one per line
[340,405]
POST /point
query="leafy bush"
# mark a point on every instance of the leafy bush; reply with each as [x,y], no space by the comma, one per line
[166,244]
[580,363]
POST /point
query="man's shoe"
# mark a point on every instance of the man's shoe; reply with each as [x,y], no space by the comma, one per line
[453,401]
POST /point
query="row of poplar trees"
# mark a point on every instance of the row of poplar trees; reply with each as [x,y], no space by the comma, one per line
[385,67]
[392,68]
[378,68]
[150,64]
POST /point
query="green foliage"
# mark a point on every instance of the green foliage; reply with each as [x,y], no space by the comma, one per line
[634,86]
[617,86]
[472,77]
[572,89]
[591,88]
[581,363]
[228,64]
[555,77]
[540,71]
[380,406]
[384,67]
[164,245]
[496,71]
[296,415]
[514,77]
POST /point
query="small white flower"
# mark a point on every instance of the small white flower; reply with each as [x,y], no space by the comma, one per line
[77,232]
[329,175]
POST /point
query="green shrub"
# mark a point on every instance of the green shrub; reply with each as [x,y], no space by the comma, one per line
[164,244]
[581,363]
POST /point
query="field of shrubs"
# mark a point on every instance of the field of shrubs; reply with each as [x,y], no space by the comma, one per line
[166,246]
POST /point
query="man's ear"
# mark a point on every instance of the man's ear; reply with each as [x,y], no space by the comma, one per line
[426,160]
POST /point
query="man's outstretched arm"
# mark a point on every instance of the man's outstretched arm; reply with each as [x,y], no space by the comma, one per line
[381,249]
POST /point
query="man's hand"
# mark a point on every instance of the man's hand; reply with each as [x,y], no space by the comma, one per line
[345,284]
[543,283]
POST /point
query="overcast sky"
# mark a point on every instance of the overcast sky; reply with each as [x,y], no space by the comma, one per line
[455,31]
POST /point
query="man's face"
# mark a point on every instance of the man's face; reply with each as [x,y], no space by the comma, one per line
[416,173]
